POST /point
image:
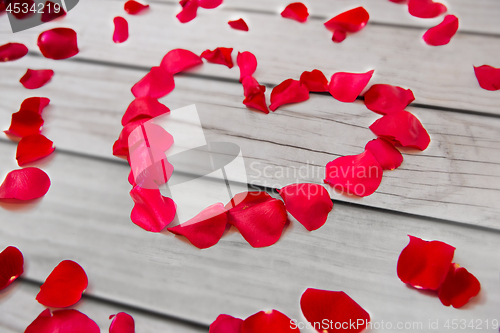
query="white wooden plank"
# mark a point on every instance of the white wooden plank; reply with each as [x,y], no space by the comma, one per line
[440,76]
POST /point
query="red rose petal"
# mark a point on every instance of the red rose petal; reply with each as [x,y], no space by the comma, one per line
[346,87]
[49,12]
[423,264]
[426,8]
[122,323]
[64,286]
[296,11]
[2,5]
[336,308]
[355,174]
[339,36]
[179,60]
[58,43]
[34,79]
[385,153]
[32,148]
[398,1]
[308,203]
[384,98]
[24,123]
[121,147]
[120,34]
[350,21]
[238,24]
[221,55]
[12,51]
[25,184]
[488,77]
[402,128]
[133,7]
[209,4]
[315,81]
[442,33]
[268,322]
[288,91]
[143,107]
[62,321]
[254,94]
[259,217]
[205,229]
[11,266]
[21,4]
[458,287]
[152,211]
[35,104]
[188,12]
[226,324]
[156,84]
[247,63]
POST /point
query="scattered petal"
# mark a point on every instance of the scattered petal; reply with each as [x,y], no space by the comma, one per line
[143,107]
[188,12]
[458,287]
[398,1]
[21,4]
[11,266]
[2,6]
[32,148]
[288,91]
[296,11]
[58,43]
[179,60]
[121,147]
[268,322]
[247,63]
[226,324]
[442,33]
[346,87]
[254,94]
[34,79]
[238,24]
[24,123]
[488,77]
[122,323]
[62,321]
[426,8]
[35,104]
[133,7]
[221,55]
[12,51]
[209,4]
[315,81]
[121,30]
[350,21]
[49,13]
[385,153]
[384,98]
[152,211]
[339,36]
[156,84]
[25,184]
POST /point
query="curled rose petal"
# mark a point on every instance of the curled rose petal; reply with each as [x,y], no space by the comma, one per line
[35,104]
[334,307]
[34,79]
[25,184]
[64,286]
[458,287]
[288,91]
[268,322]
[120,34]
[402,128]
[58,43]
[254,94]
[296,11]
[12,51]
[179,60]
[259,217]
[226,324]
[49,12]
[247,63]
[205,229]
[133,7]
[238,24]
[62,321]
[188,12]
[384,98]
[152,211]
[442,33]
[221,55]
[209,4]
[350,21]
[11,266]
[308,203]
[121,147]
[122,323]
[143,107]
[156,84]
[385,153]
[423,264]
[488,77]
[32,148]
[315,81]
[346,87]
[24,123]
[426,8]
[355,174]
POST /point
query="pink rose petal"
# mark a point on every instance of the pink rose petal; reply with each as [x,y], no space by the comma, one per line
[209,4]
[384,98]
[488,77]
[62,321]
[122,323]
[120,34]
[385,153]
[268,322]
[315,81]
[346,87]
[155,84]
[296,11]
[25,184]
[442,33]
[34,79]
[121,147]
[226,324]
[188,12]
[247,63]
[49,12]
[426,8]
[179,60]
[58,43]
[254,94]
[350,21]
[288,91]
[12,51]
[152,211]
[143,107]
[238,24]
[221,56]
[133,7]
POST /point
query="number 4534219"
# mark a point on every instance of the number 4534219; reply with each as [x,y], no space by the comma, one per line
[472,324]
[35,8]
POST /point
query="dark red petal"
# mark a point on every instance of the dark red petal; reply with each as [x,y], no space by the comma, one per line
[296,11]
[355,174]
[209,4]
[156,84]
[268,322]
[402,128]
[24,123]
[2,5]
[58,43]
[488,77]
[442,33]
[238,24]
[188,12]
[226,324]
[288,91]
[32,148]
[121,30]
[179,60]
[34,79]
[49,12]
[152,211]
[21,4]
[458,287]
[398,1]
[346,87]
[336,309]
[221,55]
[62,321]
[205,229]
[247,63]
[35,104]
[314,81]
[121,147]
[25,184]
[351,21]
[259,217]
[12,51]
[122,323]
[11,266]
[143,107]
[384,98]
[254,94]
[423,264]
[133,7]
[339,35]
[64,286]
[308,203]
[426,8]
[385,153]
